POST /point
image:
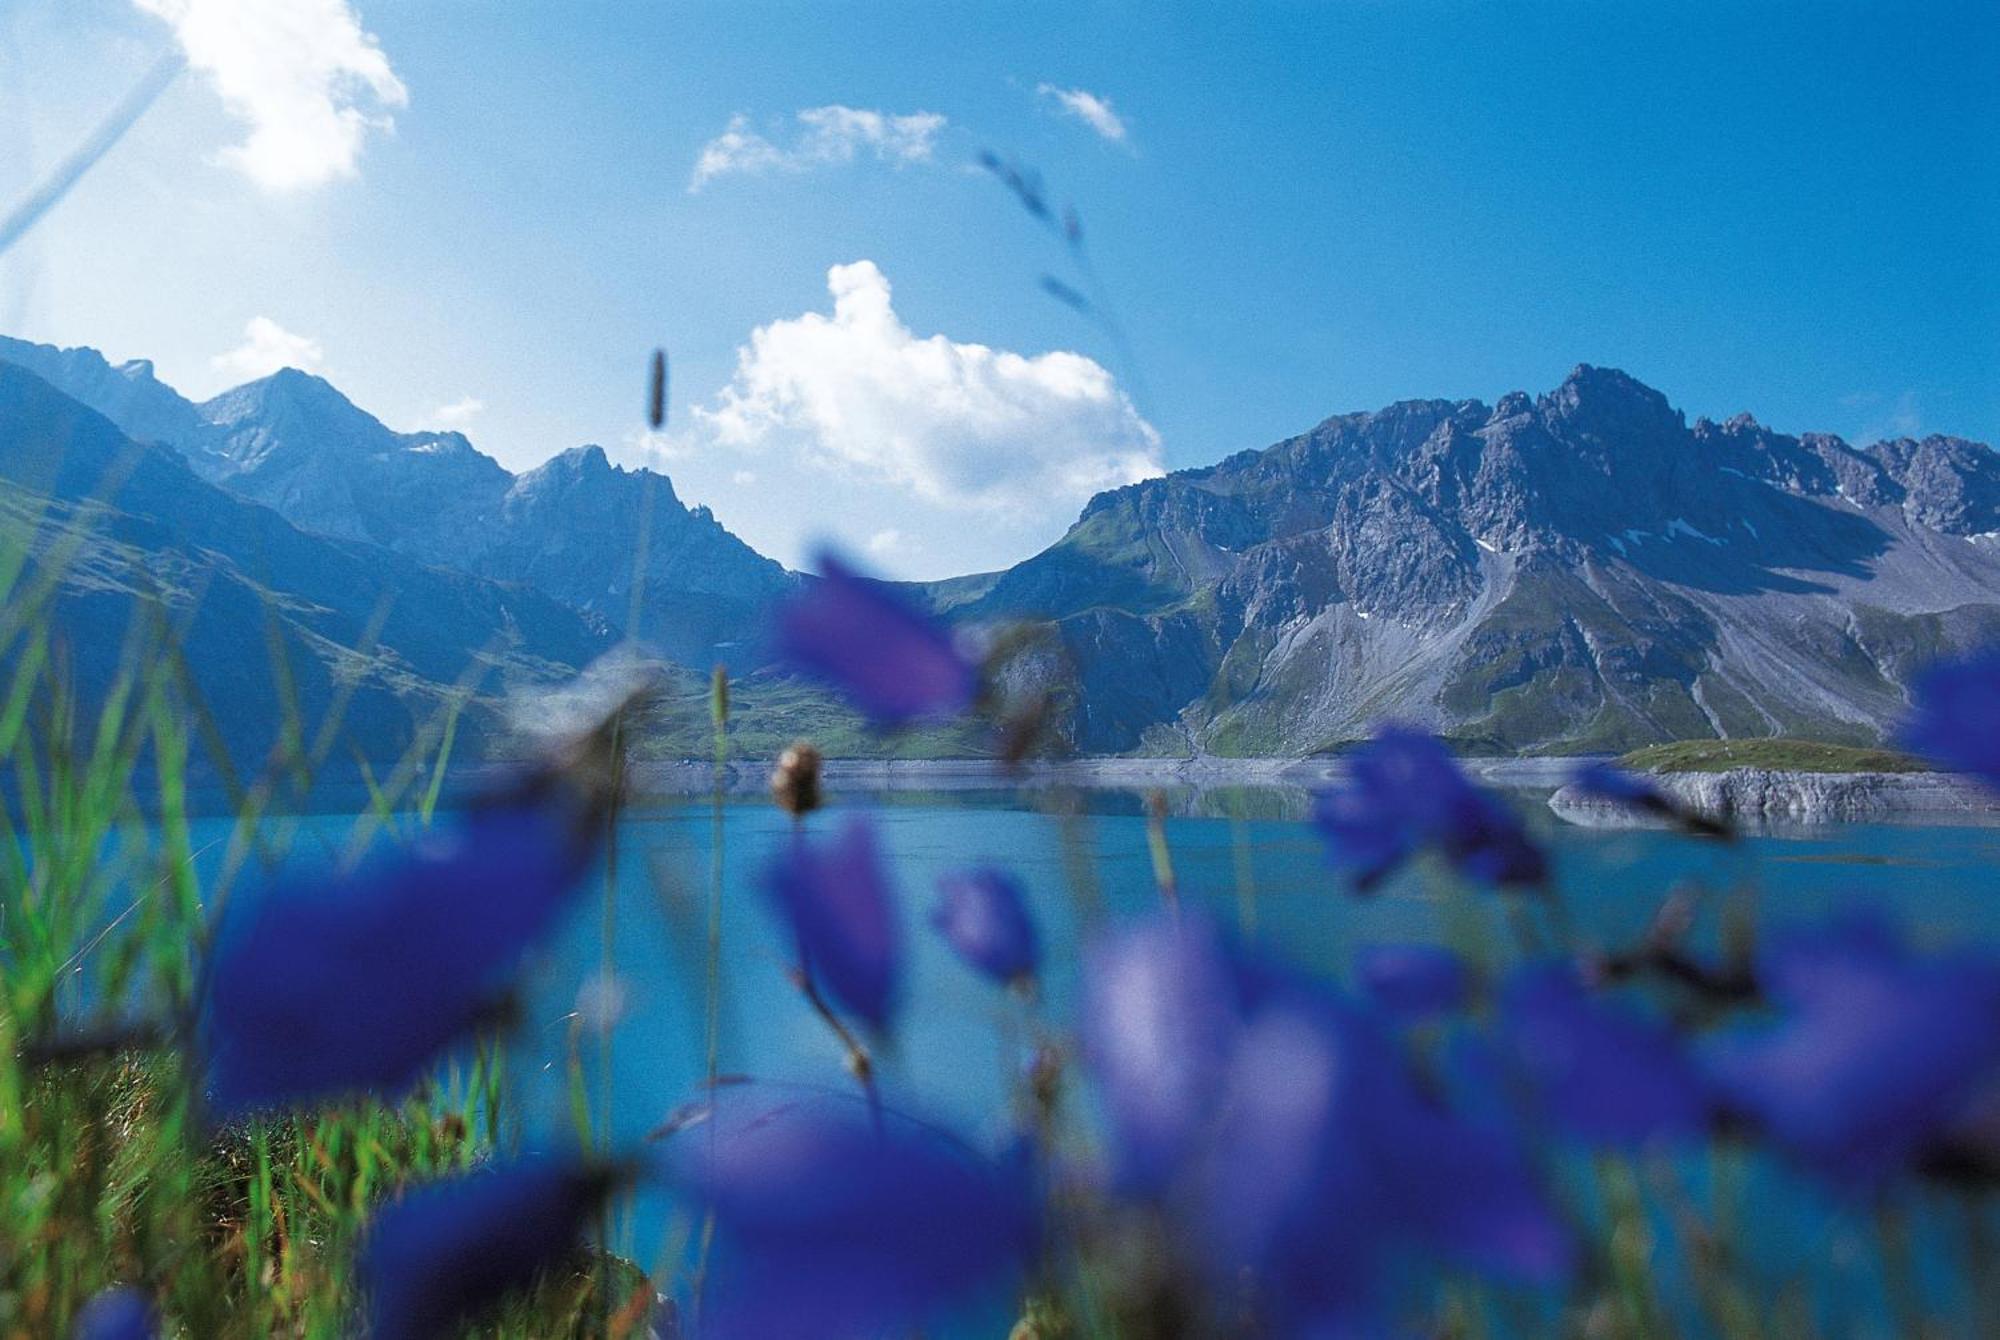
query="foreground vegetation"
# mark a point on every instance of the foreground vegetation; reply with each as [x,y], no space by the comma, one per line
[248,1092]
[111,1173]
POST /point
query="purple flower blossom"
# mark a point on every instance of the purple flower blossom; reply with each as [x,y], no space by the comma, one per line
[451,1248]
[1598,1071]
[889,658]
[322,988]
[1405,794]
[1873,1050]
[842,911]
[837,1218]
[983,914]
[1956,718]
[120,1313]
[1411,981]
[1160,1018]
[1279,1129]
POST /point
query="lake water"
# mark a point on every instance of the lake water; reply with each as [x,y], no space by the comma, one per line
[645,929]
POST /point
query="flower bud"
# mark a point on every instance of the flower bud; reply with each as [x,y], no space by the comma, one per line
[795,781]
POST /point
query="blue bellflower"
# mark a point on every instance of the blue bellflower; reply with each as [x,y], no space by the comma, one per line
[1597,1071]
[450,1249]
[1406,794]
[1873,1050]
[890,659]
[324,988]
[983,915]
[121,1313]
[1279,1129]
[1160,1018]
[1956,719]
[1411,981]
[835,1217]
[836,898]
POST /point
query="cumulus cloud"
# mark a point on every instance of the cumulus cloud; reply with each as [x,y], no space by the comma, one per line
[1088,108]
[961,425]
[267,346]
[302,75]
[885,541]
[458,413]
[828,137]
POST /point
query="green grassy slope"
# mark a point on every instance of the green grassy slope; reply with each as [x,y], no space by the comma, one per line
[1781,755]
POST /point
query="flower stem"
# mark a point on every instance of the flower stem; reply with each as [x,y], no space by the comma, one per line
[1156,841]
[859,1063]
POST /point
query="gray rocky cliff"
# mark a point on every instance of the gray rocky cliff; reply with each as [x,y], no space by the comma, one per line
[1762,796]
[1580,571]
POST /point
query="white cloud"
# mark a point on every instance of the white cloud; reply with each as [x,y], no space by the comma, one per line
[886,541]
[267,346]
[829,137]
[301,74]
[960,425]
[458,413]
[1088,108]
[743,479]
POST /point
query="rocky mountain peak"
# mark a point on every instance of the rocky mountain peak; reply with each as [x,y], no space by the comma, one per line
[1948,483]
[293,409]
[587,471]
[286,391]
[586,460]
[1612,404]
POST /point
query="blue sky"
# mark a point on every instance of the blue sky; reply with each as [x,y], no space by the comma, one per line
[1793,210]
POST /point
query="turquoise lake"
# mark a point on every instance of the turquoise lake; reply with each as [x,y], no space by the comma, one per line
[643,930]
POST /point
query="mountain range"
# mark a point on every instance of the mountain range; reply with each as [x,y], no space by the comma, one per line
[1579,571]
[578,528]
[1583,570]
[273,623]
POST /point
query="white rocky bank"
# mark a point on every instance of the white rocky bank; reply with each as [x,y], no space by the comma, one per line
[1762,795]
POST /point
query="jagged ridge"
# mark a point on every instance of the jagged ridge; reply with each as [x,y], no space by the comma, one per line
[577,527]
[1579,570]
[1582,570]
[268,619]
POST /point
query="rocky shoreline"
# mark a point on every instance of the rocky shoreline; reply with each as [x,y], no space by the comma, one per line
[742,776]
[691,777]
[1753,796]
[1762,796]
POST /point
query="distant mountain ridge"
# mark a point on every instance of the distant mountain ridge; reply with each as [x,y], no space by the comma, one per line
[1583,570]
[270,620]
[368,652]
[577,527]
[129,394]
